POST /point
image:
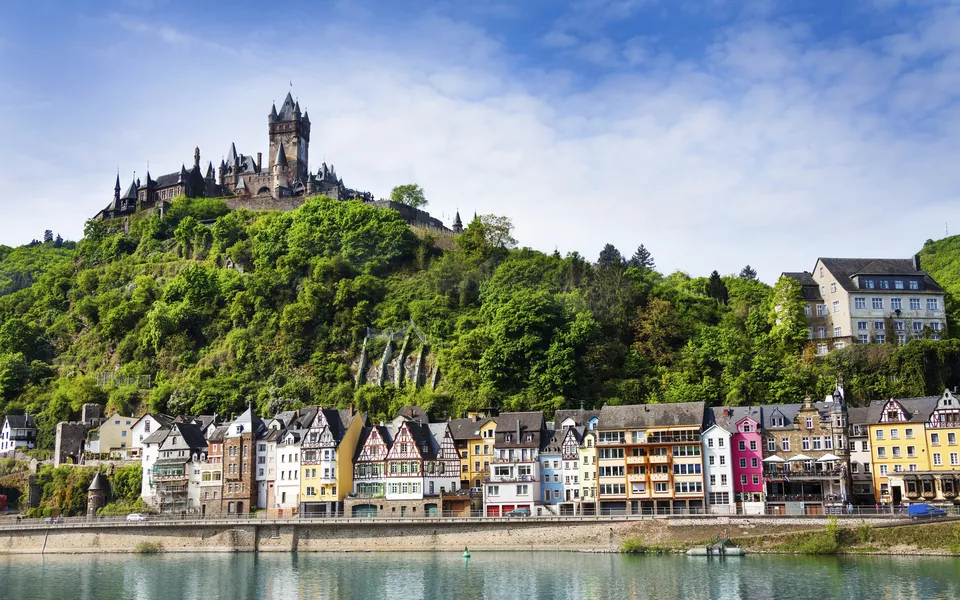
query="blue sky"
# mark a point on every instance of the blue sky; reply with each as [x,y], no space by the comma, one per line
[717,133]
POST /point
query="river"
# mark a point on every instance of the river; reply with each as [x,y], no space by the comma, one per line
[485,576]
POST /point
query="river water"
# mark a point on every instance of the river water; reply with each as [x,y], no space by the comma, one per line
[485,576]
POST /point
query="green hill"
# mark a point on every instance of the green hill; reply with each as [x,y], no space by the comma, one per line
[213,308]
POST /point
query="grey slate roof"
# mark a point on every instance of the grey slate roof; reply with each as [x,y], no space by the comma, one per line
[808,286]
[99,483]
[579,415]
[192,435]
[414,413]
[918,409]
[844,269]
[525,422]
[787,411]
[286,111]
[157,436]
[21,422]
[727,417]
[131,193]
[858,415]
[651,415]
[281,157]
[467,428]
[553,441]
[218,434]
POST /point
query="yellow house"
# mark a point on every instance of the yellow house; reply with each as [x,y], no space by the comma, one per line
[473,437]
[114,435]
[588,473]
[326,461]
[898,443]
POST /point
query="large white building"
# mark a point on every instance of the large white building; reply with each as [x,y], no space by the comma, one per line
[18,431]
[870,300]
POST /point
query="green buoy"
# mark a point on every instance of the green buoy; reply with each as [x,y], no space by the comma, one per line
[466,553]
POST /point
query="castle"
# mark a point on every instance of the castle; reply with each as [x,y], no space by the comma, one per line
[243,182]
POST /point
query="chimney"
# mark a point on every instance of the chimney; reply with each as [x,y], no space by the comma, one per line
[352,411]
[916,262]
[259,161]
[518,430]
[475,417]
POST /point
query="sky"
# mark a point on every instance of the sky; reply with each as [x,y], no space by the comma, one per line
[717,133]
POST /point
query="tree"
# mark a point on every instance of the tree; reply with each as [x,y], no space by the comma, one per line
[642,259]
[410,194]
[609,256]
[497,231]
[47,236]
[787,318]
[717,289]
[748,273]
[659,332]
[58,242]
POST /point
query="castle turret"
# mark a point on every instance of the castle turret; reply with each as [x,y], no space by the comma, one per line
[196,158]
[290,128]
[281,172]
[116,190]
[97,494]
[457,223]
[182,179]
[272,117]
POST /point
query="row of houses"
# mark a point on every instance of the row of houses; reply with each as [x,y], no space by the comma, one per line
[806,458]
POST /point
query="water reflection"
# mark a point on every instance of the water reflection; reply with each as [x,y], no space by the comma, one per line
[486,576]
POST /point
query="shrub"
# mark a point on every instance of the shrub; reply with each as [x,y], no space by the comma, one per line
[148,548]
[864,533]
[633,546]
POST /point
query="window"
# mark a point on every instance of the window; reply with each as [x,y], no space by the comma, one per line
[777,422]
[876,303]
[723,460]
[914,303]
[833,288]
[863,338]
[914,284]
[879,435]
[860,302]
[753,444]
[660,487]
[881,452]
[861,326]
[742,445]
[822,348]
[709,442]
[878,325]
[806,310]
[898,284]
[937,459]
[896,303]
[771,445]
[884,284]
[754,463]
[898,326]
[954,459]
[894,434]
[743,463]
[743,480]
[865,446]
[934,325]
[785,444]
[880,338]
[869,284]
[723,479]
[756,480]
[911,451]
[934,439]
[896,451]
[908,433]
[836,306]
[710,461]
[821,310]
[821,332]
[918,325]
[837,332]
[816,443]
[933,304]
[805,443]
[952,439]
[809,423]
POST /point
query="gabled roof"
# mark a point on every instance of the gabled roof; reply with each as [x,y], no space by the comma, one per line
[917,409]
[21,422]
[651,415]
[191,434]
[727,417]
[808,286]
[281,159]
[161,419]
[131,193]
[218,434]
[385,434]
[580,416]
[787,411]
[157,436]
[414,413]
[858,415]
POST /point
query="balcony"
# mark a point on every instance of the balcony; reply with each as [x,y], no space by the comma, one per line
[778,473]
[659,476]
[679,437]
[510,479]
[614,442]
[636,460]
[659,459]
[497,460]
[169,477]
[636,478]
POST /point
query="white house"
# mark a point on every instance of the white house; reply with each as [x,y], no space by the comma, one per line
[19,431]
[286,465]
[144,427]
[515,473]
[717,462]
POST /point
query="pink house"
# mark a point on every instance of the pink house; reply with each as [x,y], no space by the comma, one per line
[747,454]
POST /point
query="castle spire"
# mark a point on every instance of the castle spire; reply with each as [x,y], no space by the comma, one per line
[457,223]
[273,113]
[281,160]
[183,174]
[196,158]
[116,188]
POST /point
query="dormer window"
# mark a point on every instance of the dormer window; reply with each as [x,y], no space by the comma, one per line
[507,437]
[777,422]
[893,415]
[529,437]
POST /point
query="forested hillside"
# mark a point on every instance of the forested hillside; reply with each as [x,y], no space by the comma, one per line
[216,307]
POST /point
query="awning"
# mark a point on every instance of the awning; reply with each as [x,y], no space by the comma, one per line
[799,457]
[828,458]
[773,459]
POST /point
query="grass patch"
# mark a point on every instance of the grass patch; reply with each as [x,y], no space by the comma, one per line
[149,548]
[633,546]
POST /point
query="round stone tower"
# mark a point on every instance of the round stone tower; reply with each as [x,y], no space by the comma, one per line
[97,494]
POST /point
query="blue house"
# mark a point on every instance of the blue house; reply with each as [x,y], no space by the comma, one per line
[551,467]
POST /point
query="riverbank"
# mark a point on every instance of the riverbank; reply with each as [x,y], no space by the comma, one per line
[935,538]
[354,535]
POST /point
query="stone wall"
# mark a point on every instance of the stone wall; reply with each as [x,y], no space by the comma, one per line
[264,202]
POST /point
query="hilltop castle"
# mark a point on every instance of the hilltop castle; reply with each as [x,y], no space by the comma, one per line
[243,182]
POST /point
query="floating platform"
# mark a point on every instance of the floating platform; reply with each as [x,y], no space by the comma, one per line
[717,551]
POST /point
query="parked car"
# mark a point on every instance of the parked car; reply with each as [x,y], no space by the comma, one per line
[136,517]
[518,512]
[924,511]
[53,520]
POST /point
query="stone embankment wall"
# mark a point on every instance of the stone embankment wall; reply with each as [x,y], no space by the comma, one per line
[287,536]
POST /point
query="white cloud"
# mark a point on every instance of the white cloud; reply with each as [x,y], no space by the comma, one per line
[772,151]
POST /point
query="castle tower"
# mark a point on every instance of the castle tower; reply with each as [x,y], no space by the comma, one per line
[457,224]
[280,169]
[97,494]
[291,130]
